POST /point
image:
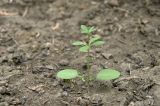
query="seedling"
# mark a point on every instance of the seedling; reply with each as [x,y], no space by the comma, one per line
[86,46]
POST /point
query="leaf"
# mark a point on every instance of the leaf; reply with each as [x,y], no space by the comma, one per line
[91,29]
[84,29]
[108,74]
[87,30]
[84,48]
[92,40]
[97,43]
[78,43]
[67,74]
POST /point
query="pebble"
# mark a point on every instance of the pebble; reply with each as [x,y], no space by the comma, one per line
[107,56]
[64,62]
[126,67]
[65,93]
[16,101]
[144,21]
[112,2]
[4,104]
[98,50]
[107,64]
[97,100]
[2,90]
[47,45]
[3,83]
[11,49]
[48,75]
[50,67]
[65,103]
[3,59]
[83,101]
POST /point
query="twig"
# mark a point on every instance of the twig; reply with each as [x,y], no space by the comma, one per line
[25,12]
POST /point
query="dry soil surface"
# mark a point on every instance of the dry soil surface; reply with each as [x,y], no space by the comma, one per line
[35,43]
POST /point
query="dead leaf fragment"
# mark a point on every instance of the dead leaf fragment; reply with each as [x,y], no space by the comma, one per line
[56,27]
[37,88]
[5,13]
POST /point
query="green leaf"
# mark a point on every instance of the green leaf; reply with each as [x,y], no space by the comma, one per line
[108,74]
[78,43]
[87,30]
[67,74]
[91,29]
[97,43]
[84,29]
[84,48]
[92,40]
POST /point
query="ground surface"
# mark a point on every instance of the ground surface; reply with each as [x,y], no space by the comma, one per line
[35,42]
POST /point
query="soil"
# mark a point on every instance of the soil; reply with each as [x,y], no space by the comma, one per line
[35,43]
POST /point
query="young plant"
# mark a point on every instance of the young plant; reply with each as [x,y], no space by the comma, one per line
[86,46]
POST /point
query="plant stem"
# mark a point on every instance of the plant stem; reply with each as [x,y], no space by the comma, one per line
[88,65]
[88,72]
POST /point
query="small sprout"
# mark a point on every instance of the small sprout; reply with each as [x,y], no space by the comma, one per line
[85,46]
[108,74]
[67,74]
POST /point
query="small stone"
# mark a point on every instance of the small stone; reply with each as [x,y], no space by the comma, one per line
[2,90]
[50,67]
[10,49]
[65,103]
[126,67]
[16,101]
[47,45]
[131,104]
[144,21]
[107,56]
[48,75]
[3,59]
[83,101]
[98,50]
[97,100]
[28,56]
[3,83]
[64,62]
[65,93]
[4,104]
[112,2]
[107,64]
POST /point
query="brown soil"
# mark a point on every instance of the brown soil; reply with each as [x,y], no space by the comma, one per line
[35,42]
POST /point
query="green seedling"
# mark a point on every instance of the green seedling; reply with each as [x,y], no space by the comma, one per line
[86,47]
